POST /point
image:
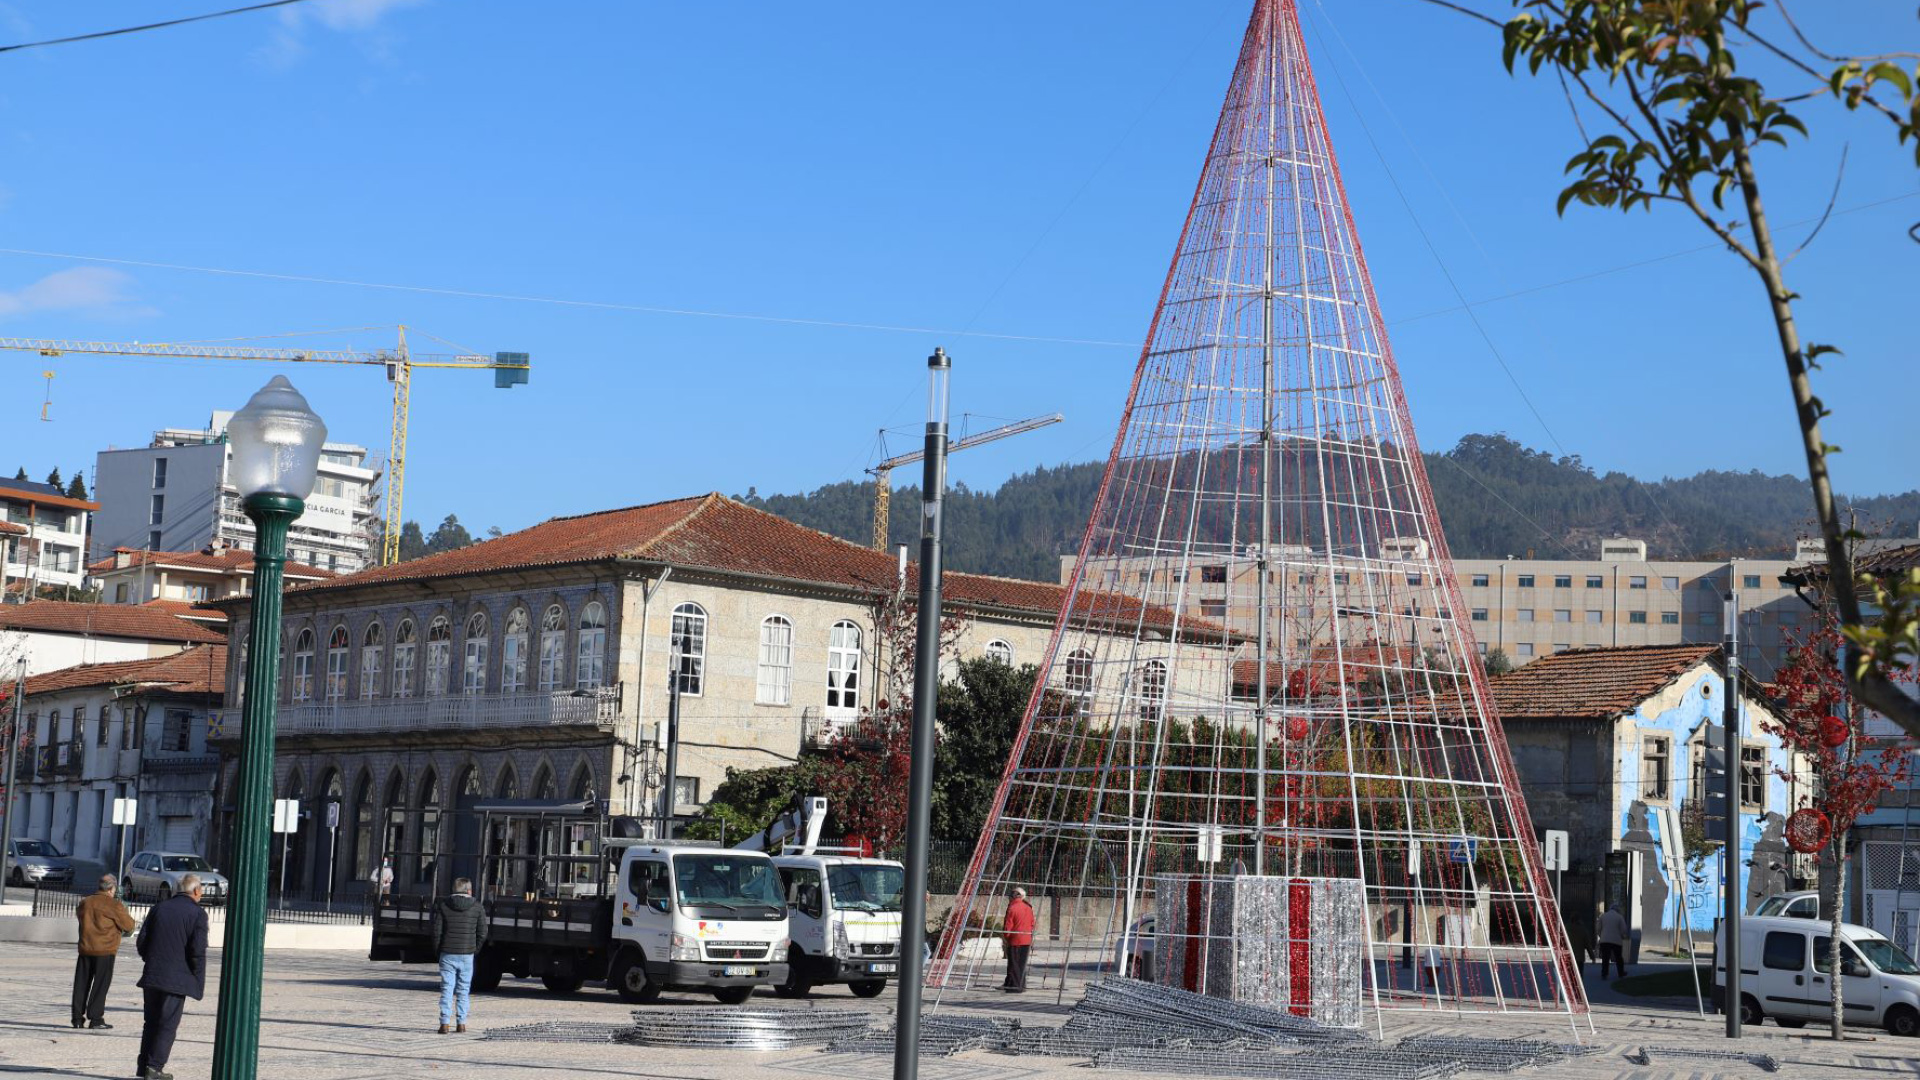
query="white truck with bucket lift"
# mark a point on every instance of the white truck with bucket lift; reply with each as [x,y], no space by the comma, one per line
[843,908]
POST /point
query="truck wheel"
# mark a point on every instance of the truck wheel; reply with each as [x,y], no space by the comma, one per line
[486,974]
[1789,1022]
[796,985]
[1903,1021]
[1750,1014]
[629,980]
[732,995]
[868,989]
[561,984]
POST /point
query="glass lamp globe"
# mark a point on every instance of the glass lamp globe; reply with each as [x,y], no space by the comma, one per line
[276,442]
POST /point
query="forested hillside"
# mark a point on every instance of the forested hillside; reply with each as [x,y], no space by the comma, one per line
[1496,498]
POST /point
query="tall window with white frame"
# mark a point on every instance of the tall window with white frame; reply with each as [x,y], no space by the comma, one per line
[1153,689]
[843,670]
[590,665]
[372,648]
[553,647]
[513,652]
[1001,650]
[473,671]
[689,642]
[1079,680]
[1656,768]
[403,647]
[775,683]
[439,654]
[301,684]
[338,648]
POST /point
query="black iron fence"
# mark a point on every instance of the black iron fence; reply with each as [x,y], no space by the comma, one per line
[290,907]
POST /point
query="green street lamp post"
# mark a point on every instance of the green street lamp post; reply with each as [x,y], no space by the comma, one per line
[276,444]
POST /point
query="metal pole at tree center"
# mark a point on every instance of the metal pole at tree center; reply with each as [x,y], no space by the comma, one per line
[926,691]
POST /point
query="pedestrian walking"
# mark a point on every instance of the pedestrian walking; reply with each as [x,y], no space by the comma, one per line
[104,923]
[1613,940]
[459,929]
[383,880]
[1018,930]
[173,942]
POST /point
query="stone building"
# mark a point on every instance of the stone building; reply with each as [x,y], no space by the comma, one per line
[536,666]
[1610,743]
[179,582]
[128,729]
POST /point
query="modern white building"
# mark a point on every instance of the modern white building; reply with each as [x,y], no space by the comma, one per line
[174,495]
[43,538]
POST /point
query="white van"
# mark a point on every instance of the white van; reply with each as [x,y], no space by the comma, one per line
[844,916]
[1783,974]
[1804,904]
[688,917]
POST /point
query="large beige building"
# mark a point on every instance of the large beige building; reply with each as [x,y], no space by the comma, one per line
[1526,608]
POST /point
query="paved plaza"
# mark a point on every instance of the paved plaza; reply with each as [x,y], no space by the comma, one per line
[334,1016]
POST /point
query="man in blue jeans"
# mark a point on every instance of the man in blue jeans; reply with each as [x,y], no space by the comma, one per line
[459,929]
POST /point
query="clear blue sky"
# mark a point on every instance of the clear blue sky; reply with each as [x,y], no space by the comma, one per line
[1018,169]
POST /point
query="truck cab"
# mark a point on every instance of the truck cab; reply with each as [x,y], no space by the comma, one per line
[1783,971]
[696,917]
[843,915]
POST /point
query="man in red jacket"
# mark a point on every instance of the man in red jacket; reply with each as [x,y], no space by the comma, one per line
[1019,938]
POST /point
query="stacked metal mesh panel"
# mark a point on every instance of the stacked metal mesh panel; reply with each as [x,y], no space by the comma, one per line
[940,1036]
[568,1031]
[744,1029]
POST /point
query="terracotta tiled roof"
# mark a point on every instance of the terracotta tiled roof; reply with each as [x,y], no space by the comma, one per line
[232,560]
[1593,684]
[104,620]
[188,610]
[8,528]
[14,493]
[713,532]
[200,669]
[1323,663]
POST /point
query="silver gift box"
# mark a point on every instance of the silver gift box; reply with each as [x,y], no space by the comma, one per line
[1294,943]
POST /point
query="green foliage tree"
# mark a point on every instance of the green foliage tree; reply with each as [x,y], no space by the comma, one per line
[980,713]
[412,543]
[450,536]
[78,488]
[54,481]
[1677,122]
[1497,662]
[21,474]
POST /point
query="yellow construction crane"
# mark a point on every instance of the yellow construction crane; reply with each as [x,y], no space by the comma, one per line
[883,472]
[509,369]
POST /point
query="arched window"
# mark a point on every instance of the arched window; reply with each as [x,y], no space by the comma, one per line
[582,785]
[543,785]
[513,652]
[473,672]
[100,734]
[843,669]
[1153,689]
[403,646]
[429,825]
[1079,680]
[371,647]
[775,684]
[302,680]
[689,643]
[364,857]
[553,647]
[509,785]
[590,666]
[439,654]
[1001,650]
[338,645]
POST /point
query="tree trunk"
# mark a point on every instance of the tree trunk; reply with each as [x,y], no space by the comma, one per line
[1834,946]
[1873,687]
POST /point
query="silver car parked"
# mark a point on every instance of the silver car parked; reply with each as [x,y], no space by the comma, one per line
[156,875]
[37,862]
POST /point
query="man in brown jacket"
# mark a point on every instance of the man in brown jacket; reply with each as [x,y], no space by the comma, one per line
[103,922]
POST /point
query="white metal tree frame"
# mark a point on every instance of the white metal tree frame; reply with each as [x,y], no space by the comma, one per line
[1331,718]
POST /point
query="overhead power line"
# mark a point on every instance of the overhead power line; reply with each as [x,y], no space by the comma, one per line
[97,34]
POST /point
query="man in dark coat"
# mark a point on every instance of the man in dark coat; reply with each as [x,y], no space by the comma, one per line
[459,929]
[173,942]
[103,923]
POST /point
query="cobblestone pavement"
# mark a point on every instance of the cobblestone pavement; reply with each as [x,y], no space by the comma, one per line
[332,1016]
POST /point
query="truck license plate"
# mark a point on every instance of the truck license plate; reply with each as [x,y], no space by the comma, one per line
[737,969]
[881,969]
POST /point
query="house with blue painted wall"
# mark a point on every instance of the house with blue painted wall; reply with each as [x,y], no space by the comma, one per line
[1610,745]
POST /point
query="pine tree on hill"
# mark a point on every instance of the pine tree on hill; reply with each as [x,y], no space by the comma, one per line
[77,489]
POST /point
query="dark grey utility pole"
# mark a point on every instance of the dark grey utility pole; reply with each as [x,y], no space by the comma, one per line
[926,691]
[13,741]
[1730,722]
[670,801]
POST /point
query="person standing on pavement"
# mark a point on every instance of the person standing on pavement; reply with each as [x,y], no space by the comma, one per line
[1018,927]
[103,923]
[1613,940]
[173,942]
[459,929]
[383,880]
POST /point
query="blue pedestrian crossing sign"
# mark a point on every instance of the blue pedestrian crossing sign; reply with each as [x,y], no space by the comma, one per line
[1462,850]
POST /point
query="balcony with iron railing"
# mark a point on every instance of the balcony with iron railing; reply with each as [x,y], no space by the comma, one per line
[178,763]
[595,708]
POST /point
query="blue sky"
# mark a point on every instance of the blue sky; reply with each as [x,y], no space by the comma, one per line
[1011,169]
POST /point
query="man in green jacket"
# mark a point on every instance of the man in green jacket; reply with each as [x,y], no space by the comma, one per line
[103,923]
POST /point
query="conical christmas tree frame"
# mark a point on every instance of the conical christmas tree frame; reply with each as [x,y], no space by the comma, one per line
[1299,693]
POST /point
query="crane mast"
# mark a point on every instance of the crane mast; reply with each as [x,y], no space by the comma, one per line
[510,369]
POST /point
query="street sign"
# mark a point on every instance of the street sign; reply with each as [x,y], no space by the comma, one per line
[124,811]
[333,815]
[1462,850]
[1553,849]
[1413,860]
[286,815]
[1210,843]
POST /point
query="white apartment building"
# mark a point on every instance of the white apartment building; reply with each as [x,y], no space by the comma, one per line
[1526,608]
[180,582]
[174,495]
[43,538]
